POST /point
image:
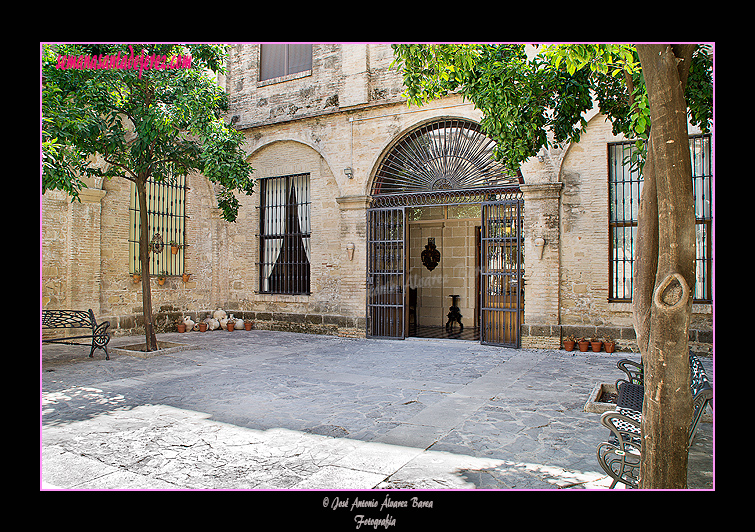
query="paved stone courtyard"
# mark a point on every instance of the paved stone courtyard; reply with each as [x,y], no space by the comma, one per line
[270,410]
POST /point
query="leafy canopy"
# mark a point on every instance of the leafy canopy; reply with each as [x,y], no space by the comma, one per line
[143,122]
[524,98]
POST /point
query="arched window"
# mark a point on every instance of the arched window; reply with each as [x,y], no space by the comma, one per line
[447,155]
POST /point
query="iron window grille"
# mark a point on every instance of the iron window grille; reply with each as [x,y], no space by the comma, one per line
[285,231]
[624,188]
[166,216]
[278,60]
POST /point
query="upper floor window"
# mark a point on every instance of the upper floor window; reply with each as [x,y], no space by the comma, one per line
[166,216]
[277,60]
[624,187]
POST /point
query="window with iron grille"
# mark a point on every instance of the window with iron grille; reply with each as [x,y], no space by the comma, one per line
[624,188]
[166,216]
[277,60]
[285,235]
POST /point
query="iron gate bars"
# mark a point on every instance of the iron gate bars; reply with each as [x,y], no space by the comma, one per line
[502,296]
[445,162]
[386,267]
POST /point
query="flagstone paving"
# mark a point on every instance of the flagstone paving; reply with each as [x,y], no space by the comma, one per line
[274,410]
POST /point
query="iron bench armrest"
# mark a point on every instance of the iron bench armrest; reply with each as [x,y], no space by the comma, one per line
[620,455]
[77,319]
[633,371]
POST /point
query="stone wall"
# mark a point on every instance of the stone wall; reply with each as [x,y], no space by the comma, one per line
[335,123]
[574,223]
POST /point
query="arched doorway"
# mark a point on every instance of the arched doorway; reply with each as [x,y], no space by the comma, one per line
[443,168]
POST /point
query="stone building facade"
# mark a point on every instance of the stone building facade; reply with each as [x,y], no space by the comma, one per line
[335,120]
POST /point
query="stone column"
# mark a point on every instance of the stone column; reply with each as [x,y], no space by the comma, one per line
[540,327]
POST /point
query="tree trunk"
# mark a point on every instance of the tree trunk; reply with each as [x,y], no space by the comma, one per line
[149,327]
[646,257]
[667,407]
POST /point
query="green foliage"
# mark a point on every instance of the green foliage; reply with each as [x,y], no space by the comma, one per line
[155,119]
[699,91]
[524,99]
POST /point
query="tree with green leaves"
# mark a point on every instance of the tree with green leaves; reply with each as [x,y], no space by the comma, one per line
[150,112]
[649,92]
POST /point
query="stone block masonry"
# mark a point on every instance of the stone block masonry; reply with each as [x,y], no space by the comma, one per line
[335,123]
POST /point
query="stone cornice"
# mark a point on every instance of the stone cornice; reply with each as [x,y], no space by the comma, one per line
[541,190]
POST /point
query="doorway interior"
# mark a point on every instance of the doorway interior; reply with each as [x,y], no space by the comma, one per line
[444,294]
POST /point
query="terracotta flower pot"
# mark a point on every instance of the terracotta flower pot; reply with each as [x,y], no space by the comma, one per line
[584,345]
[610,347]
[569,345]
[229,325]
[181,327]
[202,326]
[185,277]
[247,325]
[596,346]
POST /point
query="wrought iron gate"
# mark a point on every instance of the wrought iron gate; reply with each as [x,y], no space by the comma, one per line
[386,267]
[443,162]
[502,297]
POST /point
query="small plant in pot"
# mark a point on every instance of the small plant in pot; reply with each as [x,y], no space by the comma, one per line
[181,326]
[569,342]
[248,325]
[596,344]
[609,344]
[583,344]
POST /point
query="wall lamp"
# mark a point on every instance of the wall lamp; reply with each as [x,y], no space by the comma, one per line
[539,246]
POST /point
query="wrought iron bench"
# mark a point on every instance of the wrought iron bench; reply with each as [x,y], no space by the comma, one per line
[57,319]
[620,455]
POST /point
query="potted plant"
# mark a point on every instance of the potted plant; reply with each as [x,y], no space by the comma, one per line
[583,344]
[185,277]
[161,278]
[569,342]
[137,276]
[609,344]
[596,344]
[229,325]
[181,326]
[247,325]
[202,326]
[174,246]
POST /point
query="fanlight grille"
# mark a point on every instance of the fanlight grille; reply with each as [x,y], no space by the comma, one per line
[449,154]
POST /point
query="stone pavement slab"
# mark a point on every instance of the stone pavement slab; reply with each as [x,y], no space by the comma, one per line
[270,410]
